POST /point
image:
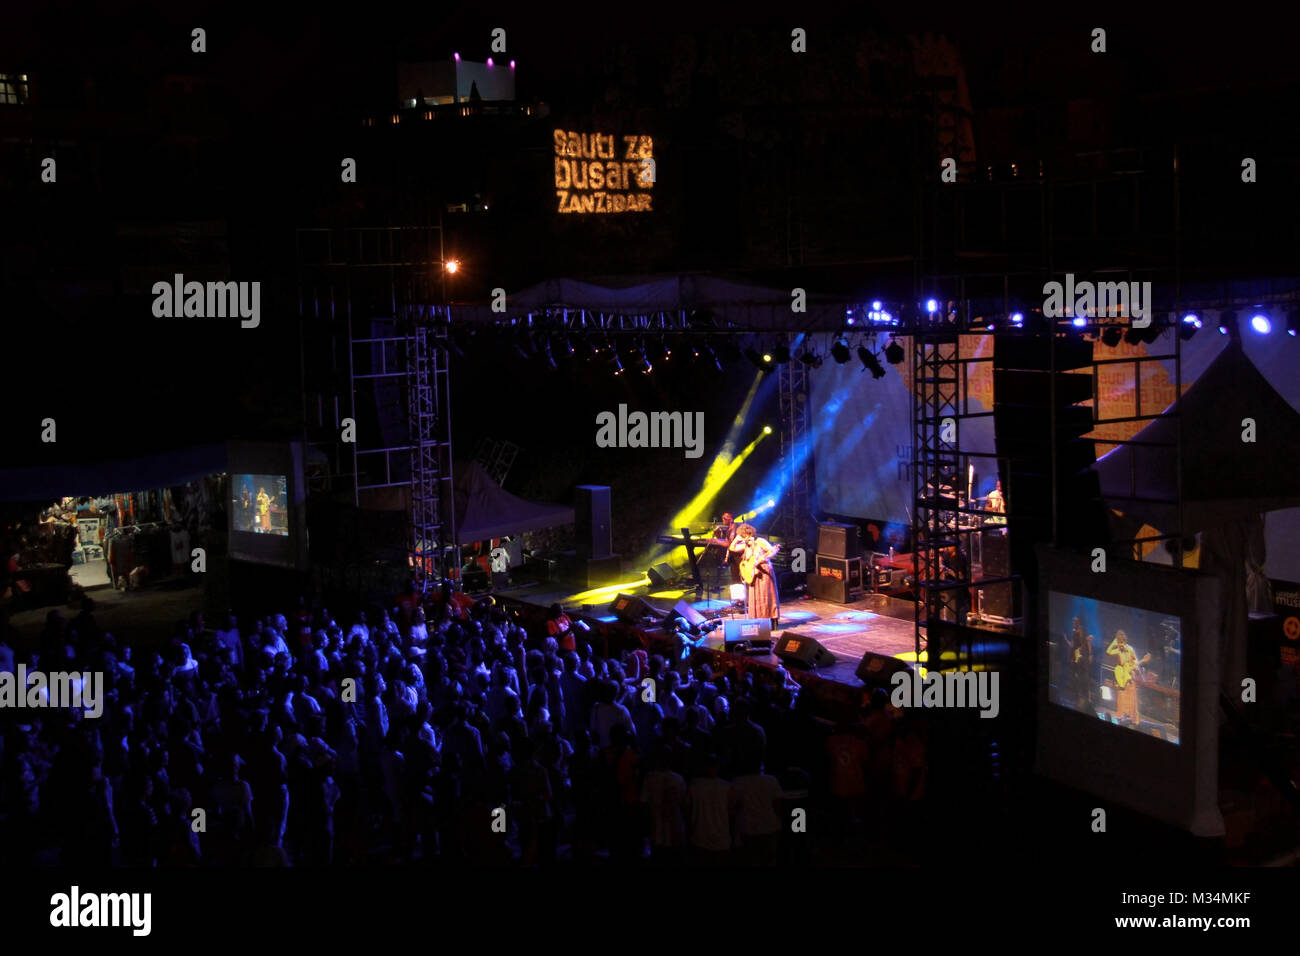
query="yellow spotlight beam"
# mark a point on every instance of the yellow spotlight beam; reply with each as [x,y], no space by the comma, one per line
[601,595]
[704,498]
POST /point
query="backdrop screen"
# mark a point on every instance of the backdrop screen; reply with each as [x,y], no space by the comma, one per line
[260,504]
[1122,665]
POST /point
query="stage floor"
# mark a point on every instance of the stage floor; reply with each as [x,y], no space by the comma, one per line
[876,623]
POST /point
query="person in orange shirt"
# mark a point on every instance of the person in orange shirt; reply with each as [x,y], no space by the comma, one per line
[560,627]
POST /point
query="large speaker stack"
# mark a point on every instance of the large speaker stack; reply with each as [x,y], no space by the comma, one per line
[837,569]
[597,564]
[1040,382]
[998,603]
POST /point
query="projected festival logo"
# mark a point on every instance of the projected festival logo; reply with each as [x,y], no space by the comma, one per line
[603,172]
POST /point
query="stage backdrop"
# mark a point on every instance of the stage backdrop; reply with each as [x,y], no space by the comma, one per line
[862,426]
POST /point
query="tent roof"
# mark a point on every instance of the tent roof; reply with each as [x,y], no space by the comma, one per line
[1222,476]
[485,510]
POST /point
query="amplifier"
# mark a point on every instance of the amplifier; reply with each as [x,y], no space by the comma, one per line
[841,569]
[838,540]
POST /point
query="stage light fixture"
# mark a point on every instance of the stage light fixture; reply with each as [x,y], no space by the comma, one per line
[876,306]
[811,359]
[1151,334]
[643,362]
[550,359]
[767,358]
[618,363]
[452,266]
[755,359]
[1261,323]
[1079,322]
[840,351]
[1017,318]
[1188,327]
[1132,336]
[932,306]
[870,363]
[1293,322]
[1111,335]
[781,354]
[894,353]
[767,429]
[1228,324]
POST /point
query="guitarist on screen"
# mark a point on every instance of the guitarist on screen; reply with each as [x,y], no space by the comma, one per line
[1126,668]
[756,570]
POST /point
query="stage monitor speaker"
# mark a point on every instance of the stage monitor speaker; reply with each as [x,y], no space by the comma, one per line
[802,651]
[661,575]
[753,633]
[592,524]
[878,670]
[838,540]
[631,609]
[684,610]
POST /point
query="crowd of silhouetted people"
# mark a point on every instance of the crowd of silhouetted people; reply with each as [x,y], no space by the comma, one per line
[437,732]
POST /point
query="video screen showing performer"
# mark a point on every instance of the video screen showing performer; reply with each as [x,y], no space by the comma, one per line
[1120,664]
[755,565]
[260,504]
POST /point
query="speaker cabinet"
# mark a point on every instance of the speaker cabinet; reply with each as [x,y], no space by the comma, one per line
[835,579]
[747,634]
[686,612]
[834,590]
[632,610]
[801,651]
[995,552]
[878,670]
[838,540]
[1000,603]
[661,575]
[592,526]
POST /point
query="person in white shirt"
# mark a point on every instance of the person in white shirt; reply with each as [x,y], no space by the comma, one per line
[755,797]
[228,637]
[607,714]
[665,794]
[709,803]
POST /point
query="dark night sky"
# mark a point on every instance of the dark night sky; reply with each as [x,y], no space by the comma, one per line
[285,88]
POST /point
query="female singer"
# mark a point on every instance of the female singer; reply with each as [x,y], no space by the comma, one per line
[1126,670]
[264,509]
[760,591]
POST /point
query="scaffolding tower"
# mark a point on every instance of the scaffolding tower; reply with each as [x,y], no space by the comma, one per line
[374,352]
[795,512]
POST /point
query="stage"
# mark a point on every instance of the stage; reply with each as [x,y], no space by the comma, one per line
[876,623]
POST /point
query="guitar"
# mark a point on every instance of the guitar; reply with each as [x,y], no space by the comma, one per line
[752,559]
[1124,673]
